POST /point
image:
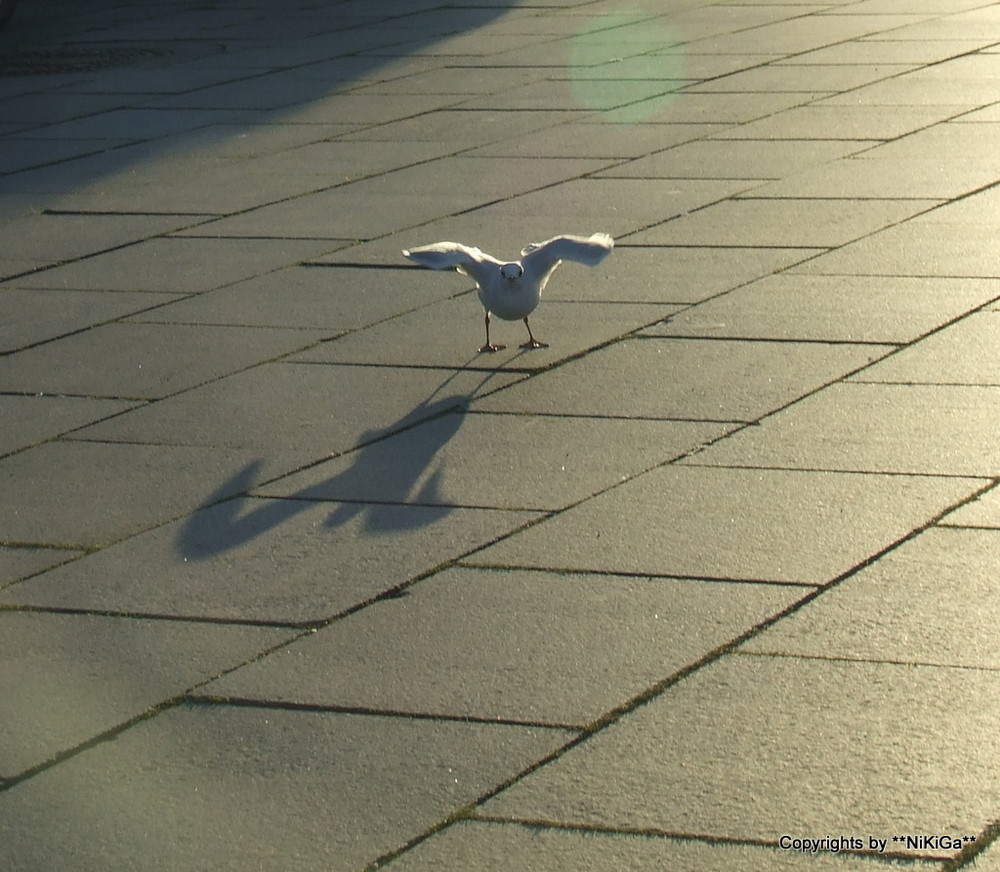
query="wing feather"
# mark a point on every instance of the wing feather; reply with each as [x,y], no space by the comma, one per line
[540,258]
[454,255]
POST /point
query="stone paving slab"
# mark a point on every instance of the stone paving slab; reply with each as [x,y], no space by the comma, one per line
[886,309]
[587,139]
[265,561]
[18,562]
[497,461]
[138,361]
[782,222]
[314,410]
[734,159]
[822,746]
[932,601]
[51,239]
[92,493]
[943,358]
[722,380]
[768,525]
[308,297]
[924,248]
[621,207]
[531,647]
[923,429]
[450,332]
[842,122]
[867,176]
[175,265]
[67,678]
[32,316]
[260,786]
[984,511]
[493,846]
[32,419]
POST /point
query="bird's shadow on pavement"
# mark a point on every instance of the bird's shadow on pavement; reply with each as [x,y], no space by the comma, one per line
[408,499]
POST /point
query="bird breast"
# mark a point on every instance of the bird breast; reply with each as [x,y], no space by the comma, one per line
[510,299]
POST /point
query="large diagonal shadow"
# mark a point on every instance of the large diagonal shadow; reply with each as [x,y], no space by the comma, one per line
[226,522]
[250,53]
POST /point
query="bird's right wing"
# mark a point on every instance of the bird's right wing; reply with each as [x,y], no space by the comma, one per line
[540,258]
[454,255]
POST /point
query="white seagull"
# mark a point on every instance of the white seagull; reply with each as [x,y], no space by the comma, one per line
[511,290]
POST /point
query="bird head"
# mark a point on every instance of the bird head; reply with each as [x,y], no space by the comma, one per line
[511,271]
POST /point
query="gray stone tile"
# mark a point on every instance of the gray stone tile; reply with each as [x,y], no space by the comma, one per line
[25,152]
[497,461]
[752,748]
[977,209]
[31,316]
[984,511]
[891,309]
[69,678]
[957,141]
[493,846]
[686,108]
[916,248]
[813,78]
[89,493]
[531,647]
[18,562]
[933,600]
[734,159]
[271,561]
[55,238]
[869,176]
[785,223]
[175,265]
[989,860]
[195,189]
[806,33]
[578,139]
[616,206]
[923,429]
[882,52]
[315,410]
[130,123]
[260,787]
[695,379]
[944,358]
[451,331]
[935,85]
[842,122]
[779,525]
[31,419]
[145,360]
[462,129]
[332,298]
[677,275]
[600,95]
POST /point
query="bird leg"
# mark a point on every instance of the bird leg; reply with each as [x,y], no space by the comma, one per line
[489,346]
[532,342]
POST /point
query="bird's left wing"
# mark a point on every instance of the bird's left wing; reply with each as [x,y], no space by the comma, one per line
[540,258]
[454,255]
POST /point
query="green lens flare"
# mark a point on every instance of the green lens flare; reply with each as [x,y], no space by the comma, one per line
[627,64]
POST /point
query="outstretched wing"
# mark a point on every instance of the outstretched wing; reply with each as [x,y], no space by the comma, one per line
[454,255]
[540,258]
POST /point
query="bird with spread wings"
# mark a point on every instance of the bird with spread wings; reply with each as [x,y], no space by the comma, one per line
[511,291]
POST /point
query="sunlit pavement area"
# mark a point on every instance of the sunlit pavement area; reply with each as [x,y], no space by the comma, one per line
[291,577]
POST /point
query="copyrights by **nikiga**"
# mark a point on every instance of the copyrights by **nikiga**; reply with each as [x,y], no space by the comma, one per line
[836,844]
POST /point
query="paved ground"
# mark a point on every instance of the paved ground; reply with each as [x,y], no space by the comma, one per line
[292,578]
